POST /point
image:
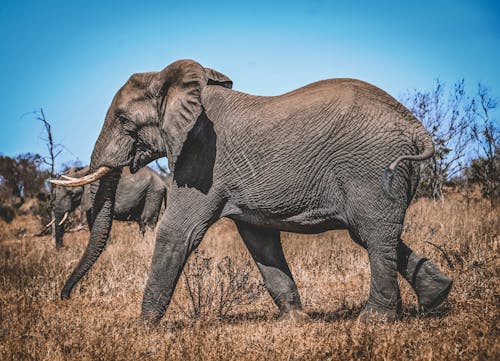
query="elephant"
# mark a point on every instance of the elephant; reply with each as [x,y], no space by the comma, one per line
[139,198]
[334,154]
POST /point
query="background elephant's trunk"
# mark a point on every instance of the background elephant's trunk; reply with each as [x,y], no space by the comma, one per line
[59,228]
[103,199]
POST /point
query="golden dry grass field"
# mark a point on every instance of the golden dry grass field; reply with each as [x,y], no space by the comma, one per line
[100,321]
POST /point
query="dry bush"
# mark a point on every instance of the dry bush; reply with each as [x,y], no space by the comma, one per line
[214,289]
[100,321]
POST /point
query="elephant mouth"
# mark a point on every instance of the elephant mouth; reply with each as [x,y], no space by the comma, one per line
[142,157]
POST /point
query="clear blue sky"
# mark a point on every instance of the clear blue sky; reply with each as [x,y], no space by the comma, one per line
[70,57]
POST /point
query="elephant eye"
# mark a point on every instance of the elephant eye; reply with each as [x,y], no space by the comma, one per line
[128,125]
[123,119]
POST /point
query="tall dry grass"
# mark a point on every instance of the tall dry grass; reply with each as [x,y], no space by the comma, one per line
[100,321]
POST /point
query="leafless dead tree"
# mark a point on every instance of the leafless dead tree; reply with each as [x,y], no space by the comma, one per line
[486,133]
[447,115]
[54,151]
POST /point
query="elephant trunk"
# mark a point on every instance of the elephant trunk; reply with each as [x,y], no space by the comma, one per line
[59,216]
[103,200]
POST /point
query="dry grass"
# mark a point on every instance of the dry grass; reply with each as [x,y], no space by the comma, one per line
[100,321]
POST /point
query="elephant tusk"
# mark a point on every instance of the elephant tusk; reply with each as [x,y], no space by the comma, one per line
[50,223]
[67,177]
[64,219]
[75,182]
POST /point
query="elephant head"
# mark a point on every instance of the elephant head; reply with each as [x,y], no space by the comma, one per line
[66,200]
[149,117]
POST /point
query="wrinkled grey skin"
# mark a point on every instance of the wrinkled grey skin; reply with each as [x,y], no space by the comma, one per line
[139,198]
[308,161]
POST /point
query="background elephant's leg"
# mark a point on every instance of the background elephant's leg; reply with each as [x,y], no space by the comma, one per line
[429,283]
[381,241]
[142,227]
[88,215]
[179,234]
[151,210]
[59,228]
[265,247]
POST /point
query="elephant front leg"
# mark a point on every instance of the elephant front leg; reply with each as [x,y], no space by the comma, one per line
[265,247]
[176,239]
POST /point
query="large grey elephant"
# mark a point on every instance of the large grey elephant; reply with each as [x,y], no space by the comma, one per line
[335,154]
[139,198]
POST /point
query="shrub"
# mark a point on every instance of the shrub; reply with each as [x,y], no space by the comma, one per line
[214,289]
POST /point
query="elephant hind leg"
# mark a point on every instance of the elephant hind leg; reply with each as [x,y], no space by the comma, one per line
[381,240]
[429,283]
[265,247]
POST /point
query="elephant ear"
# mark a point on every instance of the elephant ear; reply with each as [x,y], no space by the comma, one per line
[180,84]
[216,78]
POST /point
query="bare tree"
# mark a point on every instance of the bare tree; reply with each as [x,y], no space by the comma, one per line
[447,115]
[54,151]
[486,133]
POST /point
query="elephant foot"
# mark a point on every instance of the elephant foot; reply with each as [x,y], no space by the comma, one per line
[372,314]
[431,286]
[295,315]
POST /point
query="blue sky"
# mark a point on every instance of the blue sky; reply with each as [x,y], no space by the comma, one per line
[70,57]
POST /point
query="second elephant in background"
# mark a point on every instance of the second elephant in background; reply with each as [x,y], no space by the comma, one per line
[139,198]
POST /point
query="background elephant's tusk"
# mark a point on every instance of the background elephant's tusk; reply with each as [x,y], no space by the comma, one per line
[75,182]
[64,219]
[50,223]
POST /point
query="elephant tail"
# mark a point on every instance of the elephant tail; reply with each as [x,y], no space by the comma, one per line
[423,140]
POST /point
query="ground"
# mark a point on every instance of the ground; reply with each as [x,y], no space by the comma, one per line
[101,319]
